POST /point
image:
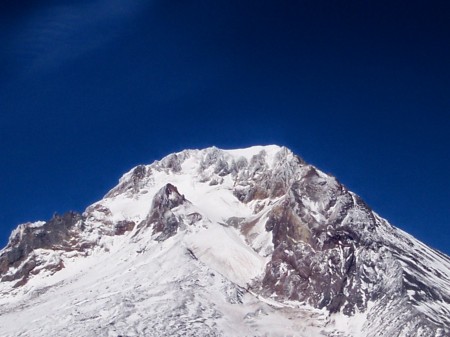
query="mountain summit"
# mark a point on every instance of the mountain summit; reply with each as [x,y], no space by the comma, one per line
[249,242]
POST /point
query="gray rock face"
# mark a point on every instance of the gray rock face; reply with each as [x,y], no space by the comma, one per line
[315,250]
[160,217]
[331,251]
[60,233]
[122,227]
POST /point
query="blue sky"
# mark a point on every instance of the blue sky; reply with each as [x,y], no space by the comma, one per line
[361,89]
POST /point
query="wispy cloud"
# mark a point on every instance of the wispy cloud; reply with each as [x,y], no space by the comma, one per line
[56,34]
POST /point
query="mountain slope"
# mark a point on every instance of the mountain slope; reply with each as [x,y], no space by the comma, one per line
[250,242]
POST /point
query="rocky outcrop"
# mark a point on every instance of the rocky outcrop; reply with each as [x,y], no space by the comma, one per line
[124,226]
[161,218]
[41,247]
[132,182]
[61,233]
[331,251]
[325,247]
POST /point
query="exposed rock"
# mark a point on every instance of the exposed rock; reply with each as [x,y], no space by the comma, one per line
[316,252]
[123,226]
[160,217]
[134,181]
[60,233]
[194,218]
[172,163]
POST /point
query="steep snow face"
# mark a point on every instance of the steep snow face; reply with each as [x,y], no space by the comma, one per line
[248,242]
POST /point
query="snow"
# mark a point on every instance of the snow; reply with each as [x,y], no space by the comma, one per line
[353,325]
[248,153]
[36,224]
[104,295]
[224,251]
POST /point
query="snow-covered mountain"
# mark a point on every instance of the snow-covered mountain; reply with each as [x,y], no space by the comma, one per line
[250,242]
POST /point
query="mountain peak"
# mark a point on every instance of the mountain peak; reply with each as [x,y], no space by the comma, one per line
[255,231]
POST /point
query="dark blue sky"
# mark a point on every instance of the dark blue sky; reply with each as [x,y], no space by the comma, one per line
[361,89]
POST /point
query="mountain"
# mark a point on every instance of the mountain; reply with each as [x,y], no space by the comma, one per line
[249,242]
